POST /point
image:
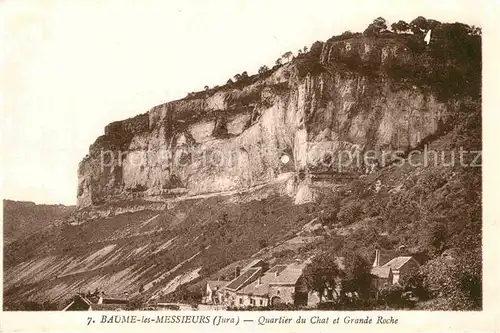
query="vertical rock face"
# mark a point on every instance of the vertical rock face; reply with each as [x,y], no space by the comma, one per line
[316,110]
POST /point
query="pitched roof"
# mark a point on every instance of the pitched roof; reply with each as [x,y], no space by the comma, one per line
[84,299]
[397,262]
[381,271]
[245,278]
[252,264]
[276,269]
[214,284]
[290,275]
[115,296]
[256,288]
[107,307]
[261,286]
[386,256]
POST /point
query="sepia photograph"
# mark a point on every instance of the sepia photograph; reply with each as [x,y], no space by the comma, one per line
[242,156]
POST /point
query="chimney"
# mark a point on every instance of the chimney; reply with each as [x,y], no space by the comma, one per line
[377,258]
[237,271]
[259,281]
[276,274]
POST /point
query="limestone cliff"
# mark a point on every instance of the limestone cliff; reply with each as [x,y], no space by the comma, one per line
[334,99]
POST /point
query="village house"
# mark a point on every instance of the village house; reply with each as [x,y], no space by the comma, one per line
[122,299]
[288,287]
[282,284]
[229,292]
[390,267]
[402,267]
[382,276]
[98,302]
[257,292]
[79,303]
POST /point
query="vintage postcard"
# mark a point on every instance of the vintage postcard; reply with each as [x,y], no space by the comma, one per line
[230,166]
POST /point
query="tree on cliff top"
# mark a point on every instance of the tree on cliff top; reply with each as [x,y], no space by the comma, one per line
[242,76]
[316,49]
[400,26]
[376,27]
[263,69]
[287,55]
[419,25]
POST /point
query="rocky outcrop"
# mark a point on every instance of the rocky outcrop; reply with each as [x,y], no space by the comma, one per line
[318,110]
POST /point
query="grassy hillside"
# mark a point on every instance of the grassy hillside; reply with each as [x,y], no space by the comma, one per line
[22,218]
[139,249]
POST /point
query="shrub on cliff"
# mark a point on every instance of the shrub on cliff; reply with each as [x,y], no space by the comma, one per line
[308,65]
[376,27]
[400,26]
[263,69]
[220,128]
[419,26]
[287,55]
[316,49]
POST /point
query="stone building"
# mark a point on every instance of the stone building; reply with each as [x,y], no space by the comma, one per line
[282,284]
[391,268]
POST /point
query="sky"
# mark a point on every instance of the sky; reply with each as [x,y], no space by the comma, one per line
[68,68]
